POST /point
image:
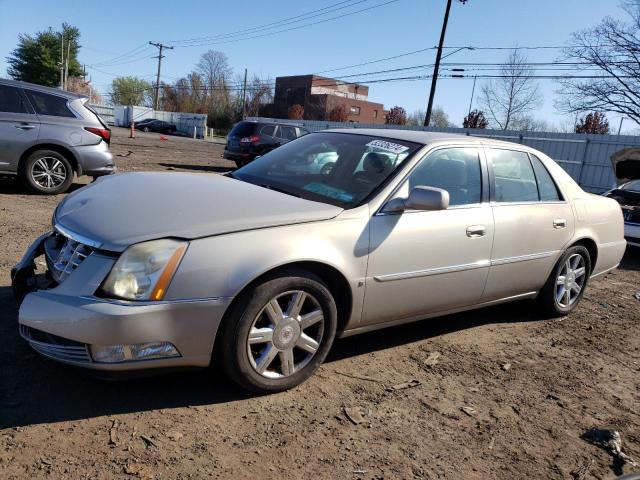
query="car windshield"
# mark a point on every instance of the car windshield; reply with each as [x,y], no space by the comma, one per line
[341,169]
[632,186]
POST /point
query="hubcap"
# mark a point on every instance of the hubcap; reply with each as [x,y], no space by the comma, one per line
[570,281]
[48,172]
[286,334]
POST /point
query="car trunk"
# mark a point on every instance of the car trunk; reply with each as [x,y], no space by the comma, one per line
[626,165]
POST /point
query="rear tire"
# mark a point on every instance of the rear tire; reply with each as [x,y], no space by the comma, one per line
[566,285]
[145,129]
[278,333]
[46,172]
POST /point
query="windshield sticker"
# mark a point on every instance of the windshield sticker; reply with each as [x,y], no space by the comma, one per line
[328,191]
[388,146]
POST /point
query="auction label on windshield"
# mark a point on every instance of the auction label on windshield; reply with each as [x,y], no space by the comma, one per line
[388,146]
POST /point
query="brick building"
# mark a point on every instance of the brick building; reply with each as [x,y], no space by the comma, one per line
[319,95]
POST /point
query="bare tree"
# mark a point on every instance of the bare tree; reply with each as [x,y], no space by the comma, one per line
[216,73]
[416,118]
[613,47]
[439,118]
[259,93]
[513,95]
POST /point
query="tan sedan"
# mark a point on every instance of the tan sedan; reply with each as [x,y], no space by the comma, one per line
[258,271]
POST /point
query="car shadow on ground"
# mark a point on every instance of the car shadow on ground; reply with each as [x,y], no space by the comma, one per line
[11,185]
[199,168]
[35,390]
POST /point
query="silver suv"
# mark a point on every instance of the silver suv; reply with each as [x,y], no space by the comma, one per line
[47,134]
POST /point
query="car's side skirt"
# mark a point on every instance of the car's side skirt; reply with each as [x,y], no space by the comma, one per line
[414,318]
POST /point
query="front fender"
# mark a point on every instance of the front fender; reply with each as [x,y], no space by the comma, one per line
[221,266]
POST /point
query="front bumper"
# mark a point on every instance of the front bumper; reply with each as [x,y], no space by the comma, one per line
[632,234]
[63,321]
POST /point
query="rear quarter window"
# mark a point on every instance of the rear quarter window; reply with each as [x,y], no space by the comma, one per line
[47,104]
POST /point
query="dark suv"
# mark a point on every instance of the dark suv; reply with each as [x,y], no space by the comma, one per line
[249,139]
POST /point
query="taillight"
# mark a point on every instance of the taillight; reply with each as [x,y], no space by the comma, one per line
[103,133]
[251,139]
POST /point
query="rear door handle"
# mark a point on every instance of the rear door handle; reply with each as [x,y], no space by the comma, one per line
[559,223]
[25,126]
[474,231]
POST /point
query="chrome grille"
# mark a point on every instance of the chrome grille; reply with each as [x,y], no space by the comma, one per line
[64,255]
[55,347]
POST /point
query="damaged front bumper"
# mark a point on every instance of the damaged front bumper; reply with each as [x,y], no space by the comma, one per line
[62,317]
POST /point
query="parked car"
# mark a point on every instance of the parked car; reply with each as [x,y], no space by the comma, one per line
[47,134]
[628,196]
[153,125]
[626,168]
[258,271]
[248,139]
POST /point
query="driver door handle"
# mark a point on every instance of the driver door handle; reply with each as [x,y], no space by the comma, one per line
[25,126]
[474,231]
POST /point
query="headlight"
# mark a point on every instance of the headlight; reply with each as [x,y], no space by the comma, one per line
[144,271]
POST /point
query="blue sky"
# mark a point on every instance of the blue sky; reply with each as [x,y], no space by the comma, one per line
[116,27]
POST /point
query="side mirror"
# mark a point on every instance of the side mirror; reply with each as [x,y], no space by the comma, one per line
[420,198]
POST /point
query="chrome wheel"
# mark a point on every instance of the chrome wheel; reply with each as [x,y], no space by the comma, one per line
[48,172]
[286,334]
[570,281]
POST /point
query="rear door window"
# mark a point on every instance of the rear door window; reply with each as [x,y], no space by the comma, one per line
[514,179]
[11,100]
[46,104]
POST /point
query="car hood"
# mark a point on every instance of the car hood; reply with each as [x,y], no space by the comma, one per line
[626,164]
[120,210]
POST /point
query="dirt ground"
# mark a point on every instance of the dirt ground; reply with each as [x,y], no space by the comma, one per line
[498,393]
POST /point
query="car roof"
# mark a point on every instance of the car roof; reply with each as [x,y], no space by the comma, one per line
[260,122]
[419,136]
[41,88]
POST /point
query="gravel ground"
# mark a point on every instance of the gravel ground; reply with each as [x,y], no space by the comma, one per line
[495,393]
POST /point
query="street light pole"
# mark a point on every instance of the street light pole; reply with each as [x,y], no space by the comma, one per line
[473,90]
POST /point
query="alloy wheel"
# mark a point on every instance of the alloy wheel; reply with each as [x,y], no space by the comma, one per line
[570,281]
[286,334]
[48,172]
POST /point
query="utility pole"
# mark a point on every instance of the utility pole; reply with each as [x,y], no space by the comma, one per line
[436,67]
[66,68]
[159,57]
[244,95]
[62,60]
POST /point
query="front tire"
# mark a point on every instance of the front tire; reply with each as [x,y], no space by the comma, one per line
[46,172]
[279,333]
[566,284]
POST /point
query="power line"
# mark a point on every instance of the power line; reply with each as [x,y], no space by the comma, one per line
[290,29]
[267,26]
